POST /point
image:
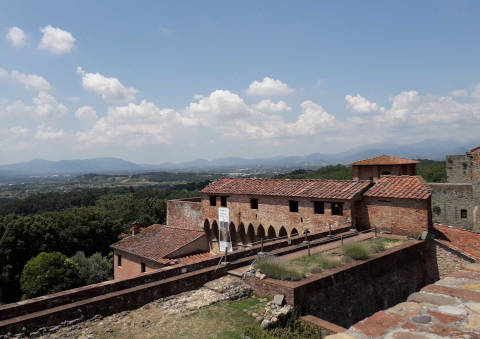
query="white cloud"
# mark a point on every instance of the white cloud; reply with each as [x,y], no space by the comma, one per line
[31,81]
[48,133]
[459,93]
[86,113]
[132,125]
[269,87]
[270,106]
[56,40]
[16,36]
[111,89]
[359,104]
[20,131]
[44,105]
[3,73]
[476,91]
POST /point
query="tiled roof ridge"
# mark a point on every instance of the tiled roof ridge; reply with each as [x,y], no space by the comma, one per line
[380,158]
[175,227]
[401,187]
[292,179]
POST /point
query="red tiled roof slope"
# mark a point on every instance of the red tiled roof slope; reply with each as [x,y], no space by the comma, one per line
[385,160]
[157,241]
[462,240]
[305,188]
[401,187]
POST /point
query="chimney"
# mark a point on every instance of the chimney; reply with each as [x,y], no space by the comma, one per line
[135,227]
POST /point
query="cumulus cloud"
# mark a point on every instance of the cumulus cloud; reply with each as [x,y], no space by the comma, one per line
[20,131]
[270,106]
[132,124]
[359,104]
[86,113]
[16,36]
[48,133]
[56,40]
[269,87]
[3,73]
[43,105]
[31,81]
[111,90]
[459,93]
[476,91]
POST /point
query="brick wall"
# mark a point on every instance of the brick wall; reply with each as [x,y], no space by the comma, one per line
[366,172]
[185,213]
[448,260]
[448,199]
[131,265]
[398,216]
[275,211]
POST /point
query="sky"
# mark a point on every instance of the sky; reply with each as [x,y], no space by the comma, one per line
[170,81]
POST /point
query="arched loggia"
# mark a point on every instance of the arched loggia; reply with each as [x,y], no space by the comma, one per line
[294,233]
[282,232]
[250,234]
[271,232]
[242,236]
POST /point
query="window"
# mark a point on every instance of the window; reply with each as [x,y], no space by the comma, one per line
[254,203]
[223,201]
[463,214]
[337,208]
[318,207]
[213,200]
[119,260]
[293,205]
[143,267]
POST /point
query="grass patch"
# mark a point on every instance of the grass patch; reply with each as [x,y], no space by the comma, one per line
[356,250]
[380,244]
[278,270]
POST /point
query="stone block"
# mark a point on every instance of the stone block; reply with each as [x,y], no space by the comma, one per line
[279,299]
[431,298]
[378,324]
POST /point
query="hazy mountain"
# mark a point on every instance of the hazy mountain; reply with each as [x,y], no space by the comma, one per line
[428,149]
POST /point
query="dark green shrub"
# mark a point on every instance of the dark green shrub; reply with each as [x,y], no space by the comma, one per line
[357,251]
[93,269]
[277,270]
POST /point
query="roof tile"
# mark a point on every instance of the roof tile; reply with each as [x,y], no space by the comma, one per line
[401,186]
[157,241]
[304,188]
[384,160]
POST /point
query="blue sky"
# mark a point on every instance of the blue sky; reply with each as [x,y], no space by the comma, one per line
[172,81]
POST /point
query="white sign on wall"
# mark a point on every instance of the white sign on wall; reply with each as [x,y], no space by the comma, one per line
[224,239]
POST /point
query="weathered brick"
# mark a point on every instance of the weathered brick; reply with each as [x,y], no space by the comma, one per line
[444,318]
[378,324]
[454,292]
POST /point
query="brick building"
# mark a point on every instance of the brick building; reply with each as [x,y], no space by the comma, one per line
[457,201]
[271,208]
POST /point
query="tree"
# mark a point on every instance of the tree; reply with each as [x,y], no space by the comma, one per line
[93,269]
[48,273]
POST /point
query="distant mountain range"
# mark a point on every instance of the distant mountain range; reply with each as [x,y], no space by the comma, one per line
[429,149]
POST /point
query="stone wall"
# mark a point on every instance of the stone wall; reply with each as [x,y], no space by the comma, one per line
[448,260]
[185,213]
[448,200]
[397,216]
[459,169]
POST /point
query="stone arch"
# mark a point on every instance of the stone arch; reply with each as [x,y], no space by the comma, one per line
[294,233]
[260,232]
[251,233]
[242,236]
[214,230]
[233,233]
[206,228]
[283,232]
[271,232]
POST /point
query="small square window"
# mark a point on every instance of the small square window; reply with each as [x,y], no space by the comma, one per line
[254,203]
[463,214]
[318,207]
[223,201]
[119,260]
[143,267]
[337,208]
[213,200]
[293,205]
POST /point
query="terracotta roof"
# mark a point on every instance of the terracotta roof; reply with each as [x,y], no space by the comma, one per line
[194,258]
[305,188]
[461,240]
[402,187]
[384,160]
[157,241]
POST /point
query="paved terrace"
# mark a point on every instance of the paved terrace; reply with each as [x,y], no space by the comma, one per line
[450,308]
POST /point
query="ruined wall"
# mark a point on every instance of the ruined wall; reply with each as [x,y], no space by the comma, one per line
[184,213]
[448,200]
[398,216]
[275,211]
[131,265]
[459,169]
